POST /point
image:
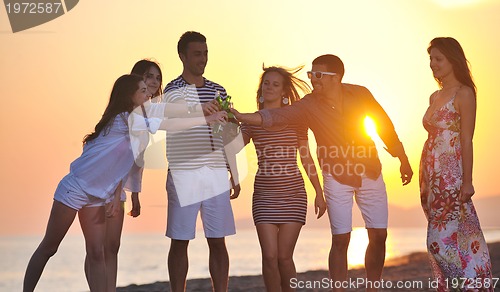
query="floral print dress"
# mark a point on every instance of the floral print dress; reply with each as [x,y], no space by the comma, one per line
[458,253]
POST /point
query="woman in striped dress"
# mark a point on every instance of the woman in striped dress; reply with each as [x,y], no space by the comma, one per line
[279,202]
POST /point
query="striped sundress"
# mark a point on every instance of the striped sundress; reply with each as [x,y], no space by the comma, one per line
[279,194]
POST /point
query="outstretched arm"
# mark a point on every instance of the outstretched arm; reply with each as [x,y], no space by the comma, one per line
[277,118]
[177,109]
[388,135]
[247,118]
[179,124]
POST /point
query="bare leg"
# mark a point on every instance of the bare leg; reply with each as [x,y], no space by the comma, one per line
[114,226]
[178,264]
[86,268]
[287,238]
[93,223]
[375,254]
[337,261]
[218,262]
[61,218]
[268,239]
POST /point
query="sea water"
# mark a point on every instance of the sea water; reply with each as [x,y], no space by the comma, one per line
[142,257]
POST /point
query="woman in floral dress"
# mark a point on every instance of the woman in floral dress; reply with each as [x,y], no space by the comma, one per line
[458,252]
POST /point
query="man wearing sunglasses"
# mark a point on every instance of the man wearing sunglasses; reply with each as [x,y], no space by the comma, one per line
[336,114]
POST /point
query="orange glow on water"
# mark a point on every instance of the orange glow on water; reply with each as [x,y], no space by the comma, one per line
[357,248]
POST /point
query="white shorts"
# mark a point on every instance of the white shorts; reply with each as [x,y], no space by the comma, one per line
[70,193]
[371,199]
[123,198]
[215,208]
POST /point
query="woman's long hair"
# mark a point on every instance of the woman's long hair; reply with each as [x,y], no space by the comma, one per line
[452,50]
[142,66]
[291,83]
[120,101]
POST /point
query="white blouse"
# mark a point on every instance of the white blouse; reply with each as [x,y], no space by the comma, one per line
[117,153]
[109,158]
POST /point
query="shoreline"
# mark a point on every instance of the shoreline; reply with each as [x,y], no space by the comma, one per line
[413,268]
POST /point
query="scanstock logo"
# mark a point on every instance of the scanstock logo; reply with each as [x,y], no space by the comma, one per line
[26,14]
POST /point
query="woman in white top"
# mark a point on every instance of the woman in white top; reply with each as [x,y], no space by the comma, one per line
[152,77]
[97,178]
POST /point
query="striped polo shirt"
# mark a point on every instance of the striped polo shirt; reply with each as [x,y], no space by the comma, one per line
[195,147]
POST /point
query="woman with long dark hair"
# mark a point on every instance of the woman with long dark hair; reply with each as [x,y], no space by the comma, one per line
[458,252]
[98,177]
[152,77]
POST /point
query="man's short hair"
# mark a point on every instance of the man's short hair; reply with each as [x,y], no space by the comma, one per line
[332,62]
[189,37]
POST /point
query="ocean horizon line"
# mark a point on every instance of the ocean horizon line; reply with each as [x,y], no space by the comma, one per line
[147,253]
[241,228]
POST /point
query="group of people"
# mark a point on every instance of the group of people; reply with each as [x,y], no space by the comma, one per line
[202,175]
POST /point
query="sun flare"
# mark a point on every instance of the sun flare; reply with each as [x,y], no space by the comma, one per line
[370,127]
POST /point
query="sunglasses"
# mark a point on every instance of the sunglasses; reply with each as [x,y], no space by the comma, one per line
[318,74]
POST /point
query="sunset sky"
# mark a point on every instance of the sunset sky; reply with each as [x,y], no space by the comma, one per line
[56,79]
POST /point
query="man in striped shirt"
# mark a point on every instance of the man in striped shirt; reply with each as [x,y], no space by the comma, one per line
[197,179]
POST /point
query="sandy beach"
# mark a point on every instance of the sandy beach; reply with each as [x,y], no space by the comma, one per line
[413,268]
